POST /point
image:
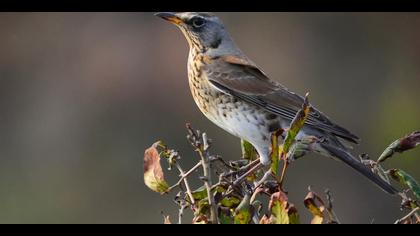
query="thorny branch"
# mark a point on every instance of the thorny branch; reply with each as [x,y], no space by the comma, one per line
[202,145]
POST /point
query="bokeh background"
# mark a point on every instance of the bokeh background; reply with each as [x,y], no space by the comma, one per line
[82,95]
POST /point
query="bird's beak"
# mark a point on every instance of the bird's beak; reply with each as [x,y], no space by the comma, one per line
[171,17]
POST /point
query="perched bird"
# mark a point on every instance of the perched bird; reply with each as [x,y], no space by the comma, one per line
[235,94]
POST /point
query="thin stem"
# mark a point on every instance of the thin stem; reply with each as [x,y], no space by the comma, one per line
[331,213]
[181,213]
[283,173]
[414,211]
[267,174]
[243,168]
[250,171]
[183,178]
[223,162]
[207,178]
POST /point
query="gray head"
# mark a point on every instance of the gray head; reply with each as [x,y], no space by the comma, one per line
[204,31]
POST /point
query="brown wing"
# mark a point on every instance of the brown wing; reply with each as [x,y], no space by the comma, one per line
[241,78]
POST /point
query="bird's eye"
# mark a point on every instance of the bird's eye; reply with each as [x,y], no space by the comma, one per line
[198,22]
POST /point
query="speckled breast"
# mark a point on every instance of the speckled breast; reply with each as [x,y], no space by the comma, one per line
[238,117]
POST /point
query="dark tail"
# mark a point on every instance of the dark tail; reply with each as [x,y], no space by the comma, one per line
[360,167]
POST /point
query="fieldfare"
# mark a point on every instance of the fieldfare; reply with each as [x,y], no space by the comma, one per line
[235,94]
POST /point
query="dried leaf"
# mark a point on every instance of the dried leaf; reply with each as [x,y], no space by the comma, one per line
[166,220]
[406,180]
[200,219]
[282,211]
[243,213]
[248,151]
[153,174]
[317,210]
[297,123]
[401,145]
[265,220]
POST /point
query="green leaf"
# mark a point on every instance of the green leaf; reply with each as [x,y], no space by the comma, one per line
[317,211]
[401,145]
[225,218]
[406,180]
[200,193]
[297,123]
[282,211]
[293,216]
[153,174]
[203,208]
[248,151]
[274,155]
[243,213]
[230,201]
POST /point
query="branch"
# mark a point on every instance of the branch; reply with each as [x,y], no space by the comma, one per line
[184,178]
[331,213]
[207,177]
[414,211]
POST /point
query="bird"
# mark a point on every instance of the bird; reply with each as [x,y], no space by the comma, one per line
[239,97]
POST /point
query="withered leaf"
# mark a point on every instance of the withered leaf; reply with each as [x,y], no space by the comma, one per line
[265,220]
[153,174]
[166,220]
[317,210]
[401,145]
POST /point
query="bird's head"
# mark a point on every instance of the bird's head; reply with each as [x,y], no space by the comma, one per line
[204,31]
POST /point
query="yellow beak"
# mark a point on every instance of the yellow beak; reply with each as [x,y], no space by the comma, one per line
[171,17]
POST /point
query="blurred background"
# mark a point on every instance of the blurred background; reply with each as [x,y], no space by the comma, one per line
[82,95]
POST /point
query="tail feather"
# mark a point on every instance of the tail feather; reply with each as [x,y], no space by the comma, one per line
[359,166]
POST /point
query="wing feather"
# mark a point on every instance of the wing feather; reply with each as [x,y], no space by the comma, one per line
[241,78]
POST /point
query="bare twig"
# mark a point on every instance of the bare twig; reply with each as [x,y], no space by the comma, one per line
[207,177]
[181,212]
[250,171]
[223,162]
[243,169]
[331,213]
[414,211]
[184,178]
[266,175]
